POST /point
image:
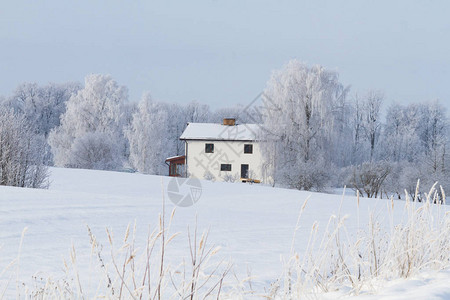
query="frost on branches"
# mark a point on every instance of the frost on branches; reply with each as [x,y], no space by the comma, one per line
[148,138]
[315,136]
[92,123]
[300,126]
[21,152]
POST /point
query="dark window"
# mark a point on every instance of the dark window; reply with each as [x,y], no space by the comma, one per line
[209,148]
[225,167]
[248,148]
[244,171]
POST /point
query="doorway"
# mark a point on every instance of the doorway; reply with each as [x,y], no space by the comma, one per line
[244,171]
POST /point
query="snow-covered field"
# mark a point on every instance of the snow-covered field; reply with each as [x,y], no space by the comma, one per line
[253,224]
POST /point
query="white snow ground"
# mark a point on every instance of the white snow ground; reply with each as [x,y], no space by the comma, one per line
[254,224]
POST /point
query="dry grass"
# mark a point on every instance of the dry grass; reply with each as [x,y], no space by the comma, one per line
[122,270]
[337,259]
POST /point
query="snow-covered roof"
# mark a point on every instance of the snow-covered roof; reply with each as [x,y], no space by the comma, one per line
[175,157]
[219,132]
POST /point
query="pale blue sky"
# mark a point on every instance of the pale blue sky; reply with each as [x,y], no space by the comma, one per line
[222,52]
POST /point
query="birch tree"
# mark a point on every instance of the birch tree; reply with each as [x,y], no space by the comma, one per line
[148,137]
[42,106]
[300,123]
[372,120]
[97,108]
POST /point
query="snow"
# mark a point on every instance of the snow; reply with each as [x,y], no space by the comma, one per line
[427,285]
[253,224]
[172,157]
[211,131]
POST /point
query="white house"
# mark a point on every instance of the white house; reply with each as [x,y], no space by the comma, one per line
[223,151]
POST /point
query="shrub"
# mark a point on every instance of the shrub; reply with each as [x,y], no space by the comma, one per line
[230,178]
[312,175]
[209,176]
[21,153]
[368,178]
[95,150]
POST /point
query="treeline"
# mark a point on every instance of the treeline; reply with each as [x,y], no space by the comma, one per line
[318,136]
[93,126]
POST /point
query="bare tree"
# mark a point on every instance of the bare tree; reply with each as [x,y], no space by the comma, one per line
[372,123]
[368,178]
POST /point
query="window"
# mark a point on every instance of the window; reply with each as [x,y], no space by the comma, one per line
[225,167]
[173,170]
[176,169]
[209,148]
[248,148]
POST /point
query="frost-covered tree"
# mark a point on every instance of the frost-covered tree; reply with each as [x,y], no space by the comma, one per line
[177,122]
[129,109]
[42,106]
[95,150]
[435,136]
[21,152]
[148,137]
[155,130]
[300,124]
[179,116]
[401,134]
[358,147]
[242,114]
[197,113]
[402,148]
[371,109]
[435,140]
[415,139]
[97,108]
[340,149]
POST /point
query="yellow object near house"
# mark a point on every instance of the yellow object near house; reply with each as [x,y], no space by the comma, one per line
[250,180]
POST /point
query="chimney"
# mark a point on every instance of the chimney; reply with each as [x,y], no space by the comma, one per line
[229,121]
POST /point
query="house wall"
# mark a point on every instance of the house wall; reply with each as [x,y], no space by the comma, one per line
[225,152]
